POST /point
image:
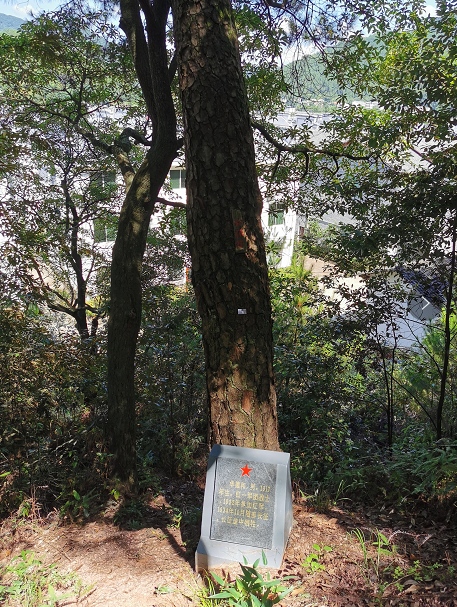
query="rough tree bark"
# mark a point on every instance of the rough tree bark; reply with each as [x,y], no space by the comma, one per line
[150,58]
[229,268]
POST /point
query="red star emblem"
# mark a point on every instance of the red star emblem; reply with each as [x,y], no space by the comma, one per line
[246,470]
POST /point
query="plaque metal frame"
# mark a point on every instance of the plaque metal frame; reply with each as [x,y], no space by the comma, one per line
[215,553]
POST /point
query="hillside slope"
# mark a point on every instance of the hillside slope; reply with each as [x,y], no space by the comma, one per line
[8,22]
[310,88]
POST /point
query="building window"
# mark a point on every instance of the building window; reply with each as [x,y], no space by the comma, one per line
[103,184]
[177,178]
[178,224]
[105,230]
[276,214]
[102,187]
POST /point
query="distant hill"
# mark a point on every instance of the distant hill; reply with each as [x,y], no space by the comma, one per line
[307,82]
[310,88]
[8,22]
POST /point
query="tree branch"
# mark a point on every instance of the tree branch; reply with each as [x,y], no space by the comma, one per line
[131,23]
[120,150]
[422,155]
[95,141]
[47,288]
[172,203]
[59,308]
[301,149]
[123,141]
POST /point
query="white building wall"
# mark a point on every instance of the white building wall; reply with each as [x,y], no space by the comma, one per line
[283,230]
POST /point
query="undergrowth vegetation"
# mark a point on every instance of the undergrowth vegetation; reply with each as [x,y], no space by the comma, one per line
[331,408]
[53,408]
[27,582]
[332,404]
[251,589]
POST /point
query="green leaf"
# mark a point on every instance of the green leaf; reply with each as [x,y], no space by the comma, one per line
[218,579]
[285,593]
[234,593]
[221,595]
[272,583]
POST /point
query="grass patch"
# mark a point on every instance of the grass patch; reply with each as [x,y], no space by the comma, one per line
[27,582]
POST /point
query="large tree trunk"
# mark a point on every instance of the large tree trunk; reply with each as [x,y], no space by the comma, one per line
[229,269]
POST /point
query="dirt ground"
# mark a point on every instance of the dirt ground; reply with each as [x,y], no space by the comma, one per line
[148,562]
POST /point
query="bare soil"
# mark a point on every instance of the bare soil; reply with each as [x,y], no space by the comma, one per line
[151,564]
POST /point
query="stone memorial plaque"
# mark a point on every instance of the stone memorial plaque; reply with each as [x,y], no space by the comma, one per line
[244,502]
[247,507]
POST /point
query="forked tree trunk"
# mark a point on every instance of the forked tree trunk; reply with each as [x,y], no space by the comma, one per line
[124,325]
[229,268]
[150,59]
[125,309]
